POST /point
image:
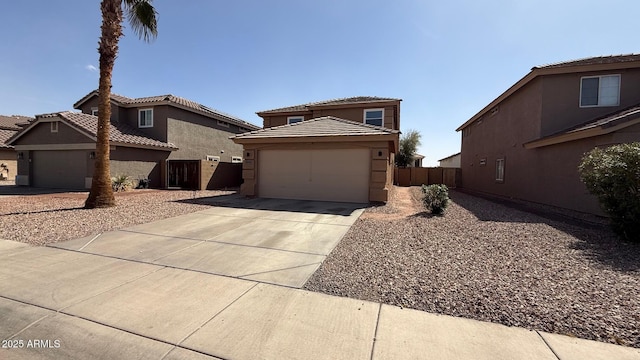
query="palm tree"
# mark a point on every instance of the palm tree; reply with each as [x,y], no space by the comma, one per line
[142,18]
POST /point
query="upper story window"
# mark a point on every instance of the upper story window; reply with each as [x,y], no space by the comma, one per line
[374,117]
[600,91]
[145,118]
[295,119]
[94,111]
[500,170]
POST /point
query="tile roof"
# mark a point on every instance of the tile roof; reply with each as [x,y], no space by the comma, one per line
[118,133]
[598,60]
[322,126]
[192,105]
[12,122]
[349,100]
[609,120]
[4,136]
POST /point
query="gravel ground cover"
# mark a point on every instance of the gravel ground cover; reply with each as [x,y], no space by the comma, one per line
[40,219]
[486,261]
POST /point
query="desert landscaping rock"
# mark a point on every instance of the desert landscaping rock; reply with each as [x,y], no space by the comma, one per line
[489,262]
[48,218]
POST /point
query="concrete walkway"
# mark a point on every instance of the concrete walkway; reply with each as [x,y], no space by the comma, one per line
[167,293]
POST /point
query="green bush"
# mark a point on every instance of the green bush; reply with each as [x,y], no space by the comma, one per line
[436,198]
[613,176]
[121,183]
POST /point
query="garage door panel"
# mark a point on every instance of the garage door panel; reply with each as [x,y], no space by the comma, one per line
[330,174]
[60,169]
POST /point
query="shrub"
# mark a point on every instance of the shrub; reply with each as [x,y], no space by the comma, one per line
[436,198]
[613,176]
[121,183]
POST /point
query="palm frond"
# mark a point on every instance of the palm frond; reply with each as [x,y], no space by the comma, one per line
[142,18]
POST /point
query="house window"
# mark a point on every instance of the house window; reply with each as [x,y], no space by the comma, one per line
[295,119]
[54,126]
[213,158]
[236,159]
[600,91]
[500,170]
[94,111]
[145,118]
[223,123]
[374,117]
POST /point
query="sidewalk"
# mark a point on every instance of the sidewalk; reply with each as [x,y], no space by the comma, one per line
[61,304]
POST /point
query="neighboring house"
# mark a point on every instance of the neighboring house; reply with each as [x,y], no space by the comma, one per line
[527,144]
[417,160]
[9,126]
[171,141]
[325,158]
[370,110]
[339,150]
[452,161]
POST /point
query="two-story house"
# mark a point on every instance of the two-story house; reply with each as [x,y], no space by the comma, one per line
[527,143]
[168,140]
[335,150]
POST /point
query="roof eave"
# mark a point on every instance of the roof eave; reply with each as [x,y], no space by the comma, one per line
[579,134]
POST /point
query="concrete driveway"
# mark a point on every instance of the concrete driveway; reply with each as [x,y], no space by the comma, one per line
[279,242]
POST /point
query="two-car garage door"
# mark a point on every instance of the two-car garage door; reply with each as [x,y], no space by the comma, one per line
[319,174]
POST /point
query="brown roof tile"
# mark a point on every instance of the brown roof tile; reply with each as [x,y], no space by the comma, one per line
[219,115]
[13,122]
[322,126]
[349,100]
[598,60]
[4,136]
[118,133]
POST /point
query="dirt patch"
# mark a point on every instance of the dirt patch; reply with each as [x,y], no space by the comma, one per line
[402,204]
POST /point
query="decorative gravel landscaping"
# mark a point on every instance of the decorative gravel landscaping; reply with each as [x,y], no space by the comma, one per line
[481,260]
[41,219]
[486,261]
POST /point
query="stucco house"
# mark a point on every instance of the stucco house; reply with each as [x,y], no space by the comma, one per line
[527,143]
[171,141]
[335,150]
[451,161]
[9,126]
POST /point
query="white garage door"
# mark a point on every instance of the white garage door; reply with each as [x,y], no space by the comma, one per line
[327,175]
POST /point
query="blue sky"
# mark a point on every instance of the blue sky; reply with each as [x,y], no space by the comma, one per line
[445,59]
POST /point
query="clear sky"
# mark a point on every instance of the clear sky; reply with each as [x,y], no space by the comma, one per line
[445,59]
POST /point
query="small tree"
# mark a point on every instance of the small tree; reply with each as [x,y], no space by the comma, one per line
[409,143]
[436,198]
[613,176]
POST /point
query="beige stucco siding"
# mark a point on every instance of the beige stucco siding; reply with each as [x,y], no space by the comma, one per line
[8,158]
[196,141]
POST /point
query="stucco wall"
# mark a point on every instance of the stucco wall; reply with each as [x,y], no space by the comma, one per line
[547,175]
[561,99]
[195,140]
[41,134]
[353,113]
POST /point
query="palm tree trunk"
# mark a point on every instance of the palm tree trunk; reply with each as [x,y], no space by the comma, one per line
[101,194]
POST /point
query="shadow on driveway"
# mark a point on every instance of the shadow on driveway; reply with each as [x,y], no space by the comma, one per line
[237,201]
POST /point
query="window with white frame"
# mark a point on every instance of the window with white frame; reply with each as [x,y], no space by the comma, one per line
[295,119]
[600,91]
[500,170]
[94,111]
[236,159]
[145,118]
[374,117]
[213,158]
